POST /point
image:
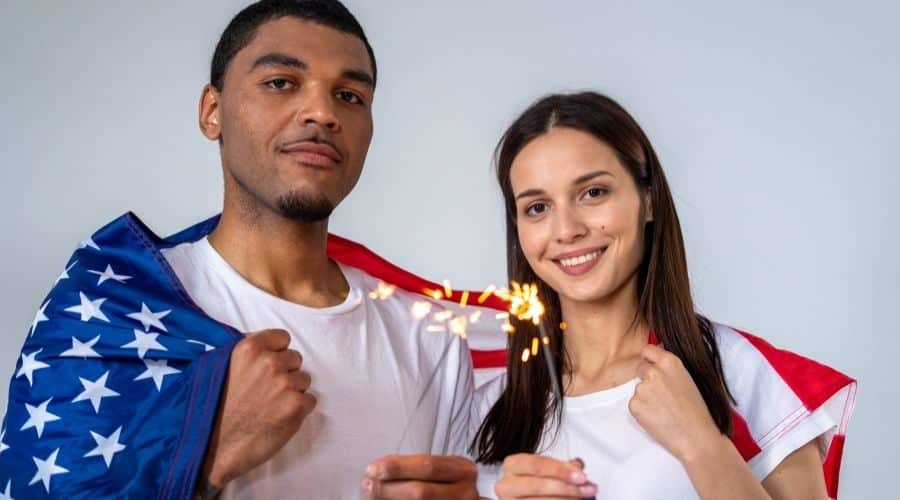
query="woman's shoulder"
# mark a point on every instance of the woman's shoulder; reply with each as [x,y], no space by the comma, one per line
[782,400]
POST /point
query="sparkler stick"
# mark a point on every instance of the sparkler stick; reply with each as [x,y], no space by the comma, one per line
[525,305]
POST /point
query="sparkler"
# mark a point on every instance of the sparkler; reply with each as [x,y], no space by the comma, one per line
[525,305]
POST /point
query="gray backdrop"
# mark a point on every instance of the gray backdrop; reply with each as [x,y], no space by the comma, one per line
[776,125]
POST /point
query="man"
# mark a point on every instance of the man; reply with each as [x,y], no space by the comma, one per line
[323,379]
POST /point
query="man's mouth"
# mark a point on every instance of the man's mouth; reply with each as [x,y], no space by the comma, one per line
[318,154]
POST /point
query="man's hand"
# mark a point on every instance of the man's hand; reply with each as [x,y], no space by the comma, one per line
[262,406]
[421,476]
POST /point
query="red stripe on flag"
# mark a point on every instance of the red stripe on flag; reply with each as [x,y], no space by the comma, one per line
[742,438]
[832,465]
[353,254]
[489,359]
[812,382]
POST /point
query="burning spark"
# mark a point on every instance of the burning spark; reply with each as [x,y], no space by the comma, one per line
[546,340]
[486,293]
[474,317]
[525,355]
[563,326]
[534,346]
[443,316]
[434,294]
[508,328]
[524,302]
[436,328]
[458,326]
[448,292]
[383,291]
[421,309]
[502,316]
[465,299]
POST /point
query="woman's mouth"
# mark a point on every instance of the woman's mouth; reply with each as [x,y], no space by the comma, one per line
[577,263]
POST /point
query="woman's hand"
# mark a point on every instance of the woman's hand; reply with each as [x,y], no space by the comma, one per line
[669,406]
[531,476]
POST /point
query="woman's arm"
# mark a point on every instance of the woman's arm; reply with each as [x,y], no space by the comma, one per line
[717,471]
[669,406]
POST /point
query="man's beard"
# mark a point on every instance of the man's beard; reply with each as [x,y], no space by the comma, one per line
[303,207]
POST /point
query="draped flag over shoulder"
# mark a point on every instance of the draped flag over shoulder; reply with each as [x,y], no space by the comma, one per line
[116,388]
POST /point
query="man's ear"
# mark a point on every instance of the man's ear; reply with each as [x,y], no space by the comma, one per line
[210,124]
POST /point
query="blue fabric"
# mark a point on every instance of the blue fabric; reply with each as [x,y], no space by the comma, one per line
[77,360]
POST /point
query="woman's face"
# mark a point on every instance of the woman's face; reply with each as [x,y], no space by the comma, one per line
[580,216]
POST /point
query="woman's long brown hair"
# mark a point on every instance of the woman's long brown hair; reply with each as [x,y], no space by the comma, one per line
[518,419]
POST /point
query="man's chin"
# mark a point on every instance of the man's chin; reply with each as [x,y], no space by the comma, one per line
[302,207]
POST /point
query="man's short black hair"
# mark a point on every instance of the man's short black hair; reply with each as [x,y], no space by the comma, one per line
[242,29]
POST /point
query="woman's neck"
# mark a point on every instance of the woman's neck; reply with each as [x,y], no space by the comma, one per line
[603,340]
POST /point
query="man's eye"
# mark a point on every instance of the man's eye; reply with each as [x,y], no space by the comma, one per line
[279,84]
[536,209]
[349,97]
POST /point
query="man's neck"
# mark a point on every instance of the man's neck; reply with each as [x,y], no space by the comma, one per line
[285,258]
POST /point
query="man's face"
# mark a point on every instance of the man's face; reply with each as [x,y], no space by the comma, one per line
[294,117]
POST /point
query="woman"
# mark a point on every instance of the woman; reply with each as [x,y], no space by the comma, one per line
[659,402]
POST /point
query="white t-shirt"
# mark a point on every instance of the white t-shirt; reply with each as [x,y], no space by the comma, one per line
[384,384]
[626,463]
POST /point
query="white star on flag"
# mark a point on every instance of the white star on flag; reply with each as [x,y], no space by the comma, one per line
[89,309]
[95,391]
[88,243]
[3,446]
[65,274]
[82,349]
[149,318]
[6,495]
[206,347]
[39,317]
[30,365]
[157,370]
[46,469]
[109,274]
[107,447]
[38,416]
[143,342]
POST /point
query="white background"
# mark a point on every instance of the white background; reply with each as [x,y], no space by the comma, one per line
[776,123]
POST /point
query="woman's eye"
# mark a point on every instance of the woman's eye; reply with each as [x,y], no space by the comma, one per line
[595,192]
[536,209]
[279,84]
[350,97]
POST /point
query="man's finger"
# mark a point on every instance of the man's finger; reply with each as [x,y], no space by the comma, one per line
[391,490]
[273,340]
[290,359]
[434,468]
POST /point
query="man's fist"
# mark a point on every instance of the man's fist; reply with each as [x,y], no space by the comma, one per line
[262,406]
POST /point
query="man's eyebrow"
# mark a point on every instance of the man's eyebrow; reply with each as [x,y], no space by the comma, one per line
[276,59]
[360,76]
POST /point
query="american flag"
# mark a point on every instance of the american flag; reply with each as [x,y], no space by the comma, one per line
[115,391]
[117,385]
